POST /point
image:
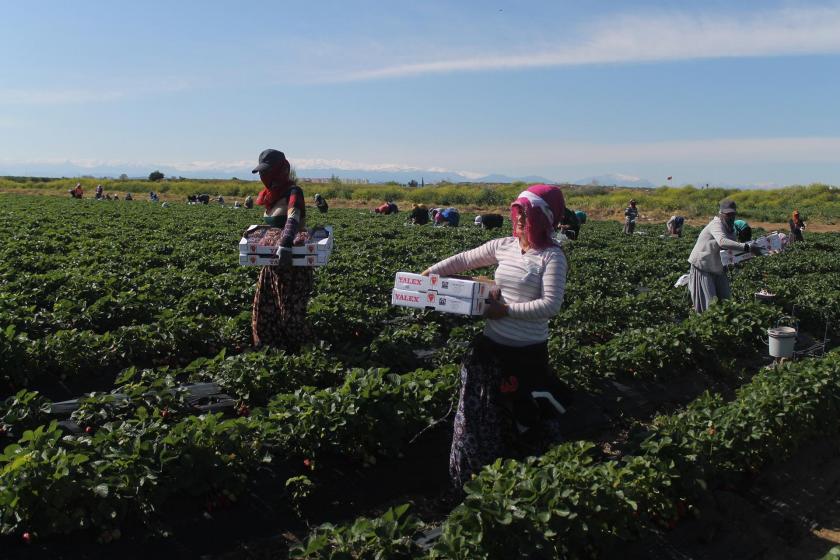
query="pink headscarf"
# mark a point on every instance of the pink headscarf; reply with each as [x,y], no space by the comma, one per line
[544,206]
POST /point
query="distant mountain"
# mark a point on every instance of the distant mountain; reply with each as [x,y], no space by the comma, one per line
[383,176]
[615,180]
[243,172]
[495,178]
[406,175]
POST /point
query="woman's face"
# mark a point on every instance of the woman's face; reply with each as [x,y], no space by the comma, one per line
[519,224]
[278,173]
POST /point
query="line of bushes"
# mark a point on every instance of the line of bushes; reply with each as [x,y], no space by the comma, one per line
[818,201]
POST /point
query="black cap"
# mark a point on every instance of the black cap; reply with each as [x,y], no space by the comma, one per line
[268,158]
[727,206]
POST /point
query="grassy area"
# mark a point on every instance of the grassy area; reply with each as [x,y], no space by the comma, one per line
[819,203]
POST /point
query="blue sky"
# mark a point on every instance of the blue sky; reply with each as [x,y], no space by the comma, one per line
[719,92]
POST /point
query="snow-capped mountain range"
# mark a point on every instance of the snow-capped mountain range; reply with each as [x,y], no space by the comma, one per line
[315,168]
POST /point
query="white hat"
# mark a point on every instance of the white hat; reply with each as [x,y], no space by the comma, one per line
[478,220]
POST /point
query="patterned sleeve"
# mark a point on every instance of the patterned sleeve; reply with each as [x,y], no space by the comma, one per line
[294,217]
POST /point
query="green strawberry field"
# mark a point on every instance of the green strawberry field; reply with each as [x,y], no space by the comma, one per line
[341,450]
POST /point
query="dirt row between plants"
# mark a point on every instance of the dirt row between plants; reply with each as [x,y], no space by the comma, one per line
[789,511]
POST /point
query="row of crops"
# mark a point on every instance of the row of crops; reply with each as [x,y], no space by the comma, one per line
[139,300]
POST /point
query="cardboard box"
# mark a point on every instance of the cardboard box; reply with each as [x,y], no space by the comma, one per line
[462,296]
[438,302]
[274,260]
[730,257]
[769,244]
[260,246]
[316,253]
[443,285]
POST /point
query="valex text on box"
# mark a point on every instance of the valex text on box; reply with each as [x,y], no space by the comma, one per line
[441,293]
[442,285]
[438,302]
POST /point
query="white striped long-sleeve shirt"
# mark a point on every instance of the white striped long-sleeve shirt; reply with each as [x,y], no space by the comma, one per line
[532,286]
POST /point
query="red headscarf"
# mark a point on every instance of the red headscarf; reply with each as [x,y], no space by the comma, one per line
[543,206]
[277,185]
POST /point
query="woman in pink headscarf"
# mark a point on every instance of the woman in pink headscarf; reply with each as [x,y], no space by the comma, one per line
[506,371]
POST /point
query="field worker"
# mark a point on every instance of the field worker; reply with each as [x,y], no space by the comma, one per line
[448,217]
[77,191]
[489,221]
[237,204]
[99,192]
[153,197]
[321,204]
[278,315]
[630,215]
[509,361]
[128,196]
[706,279]
[419,215]
[743,231]
[796,224]
[386,208]
[675,226]
[221,200]
[116,196]
[569,224]
[249,202]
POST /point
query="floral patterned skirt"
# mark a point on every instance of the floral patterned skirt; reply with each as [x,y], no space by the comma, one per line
[278,315]
[496,416]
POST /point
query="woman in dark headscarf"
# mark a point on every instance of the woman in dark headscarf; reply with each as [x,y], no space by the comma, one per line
[506,371]
[279,309]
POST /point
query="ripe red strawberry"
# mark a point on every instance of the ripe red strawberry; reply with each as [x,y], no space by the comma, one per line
[681,509]
[89,429]
[26,537]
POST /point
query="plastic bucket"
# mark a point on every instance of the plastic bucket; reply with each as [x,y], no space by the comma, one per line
[781,342]
[764,298]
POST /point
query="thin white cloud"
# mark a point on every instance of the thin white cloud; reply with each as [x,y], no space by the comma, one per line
[654,37]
